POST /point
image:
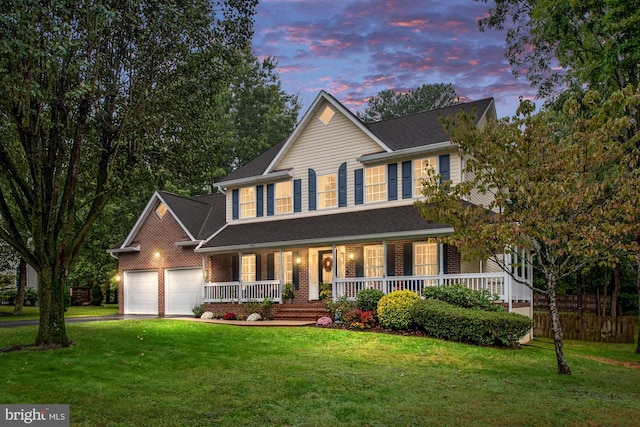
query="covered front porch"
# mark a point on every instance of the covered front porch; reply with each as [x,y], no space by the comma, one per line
[348,269]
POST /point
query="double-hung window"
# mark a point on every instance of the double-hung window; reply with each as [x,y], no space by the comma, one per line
[248,268]
[327,191]
[376,184]
[373,261]
[420,172]
[286,275]
[425,258]
[247,202]
[284,197]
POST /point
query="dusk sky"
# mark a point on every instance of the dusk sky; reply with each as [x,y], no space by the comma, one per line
[355,48]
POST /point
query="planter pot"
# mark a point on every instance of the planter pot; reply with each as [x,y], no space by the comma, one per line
[288,300]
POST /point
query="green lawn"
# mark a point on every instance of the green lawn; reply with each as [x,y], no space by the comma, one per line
[29,312]
[181,373]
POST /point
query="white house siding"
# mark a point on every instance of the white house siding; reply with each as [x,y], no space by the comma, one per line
[324,148]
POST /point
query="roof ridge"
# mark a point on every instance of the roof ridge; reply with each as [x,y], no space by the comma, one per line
[432,110]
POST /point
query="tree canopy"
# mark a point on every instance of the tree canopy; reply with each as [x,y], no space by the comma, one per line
[558,185]
[388,103]
[90,93]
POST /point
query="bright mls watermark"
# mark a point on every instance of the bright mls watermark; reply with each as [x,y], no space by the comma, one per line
[36,415]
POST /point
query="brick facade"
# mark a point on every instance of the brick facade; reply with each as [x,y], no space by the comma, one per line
[157,236]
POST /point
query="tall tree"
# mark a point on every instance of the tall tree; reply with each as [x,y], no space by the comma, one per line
[91,91]
[596,44]
[555,190]
[388,103]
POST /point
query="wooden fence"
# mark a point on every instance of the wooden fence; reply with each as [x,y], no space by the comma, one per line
[590,303]
[588,328]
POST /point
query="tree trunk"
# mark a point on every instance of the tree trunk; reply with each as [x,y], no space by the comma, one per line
[580,292]
[22,286]
[638,286]
[52,332]
[556,327]
[617,279]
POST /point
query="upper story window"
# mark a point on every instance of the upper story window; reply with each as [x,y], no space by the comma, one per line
[247,202]
[425,258]
[326,115]
[327,191]
[373,261]
[420,172]
[376,184]
[284,197]
[248,268]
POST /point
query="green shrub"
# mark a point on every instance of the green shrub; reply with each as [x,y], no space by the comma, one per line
[341,305]
[395,309]
[96,294]
[443,320]
[198,310]
[266,306]
[30,296]
[461,296]
[367,299]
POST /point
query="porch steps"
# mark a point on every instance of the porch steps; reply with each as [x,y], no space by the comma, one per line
[312,311]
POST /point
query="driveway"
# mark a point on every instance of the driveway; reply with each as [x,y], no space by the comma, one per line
[80,319]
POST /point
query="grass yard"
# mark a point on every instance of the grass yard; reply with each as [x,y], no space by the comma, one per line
[29,312]
[182,373]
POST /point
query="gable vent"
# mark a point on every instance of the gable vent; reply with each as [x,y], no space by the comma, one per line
[327,115]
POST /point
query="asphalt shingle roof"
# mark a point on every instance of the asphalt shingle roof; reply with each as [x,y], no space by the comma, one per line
[201,215]
[424,128]
[398,219]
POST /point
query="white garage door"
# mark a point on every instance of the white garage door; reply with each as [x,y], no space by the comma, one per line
[141,292]
[183,290]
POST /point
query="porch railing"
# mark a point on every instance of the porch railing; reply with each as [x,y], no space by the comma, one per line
[242,291]
[499,284]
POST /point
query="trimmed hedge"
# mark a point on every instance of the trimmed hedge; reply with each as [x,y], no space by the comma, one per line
[461,296]
[367,299]
[394,309]
[443,320]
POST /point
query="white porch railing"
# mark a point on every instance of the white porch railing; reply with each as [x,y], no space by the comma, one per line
[499,284]
[242,291]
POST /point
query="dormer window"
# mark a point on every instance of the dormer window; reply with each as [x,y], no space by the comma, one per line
[327,115]
[161,210]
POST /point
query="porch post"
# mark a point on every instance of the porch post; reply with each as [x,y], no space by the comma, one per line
[238,292]
[281,273]
[440,264]
[508,281]
[384,267]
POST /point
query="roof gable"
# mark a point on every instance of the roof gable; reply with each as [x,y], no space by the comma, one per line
[198,217]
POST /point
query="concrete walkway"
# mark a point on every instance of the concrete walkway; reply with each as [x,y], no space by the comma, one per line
[81,319]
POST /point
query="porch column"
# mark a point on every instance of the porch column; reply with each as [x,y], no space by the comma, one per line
[508,280]
[441,262]
[239,292]
[385,287]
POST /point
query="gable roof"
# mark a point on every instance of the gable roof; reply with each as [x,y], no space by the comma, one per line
[415,130]
[372,224]
[199,217]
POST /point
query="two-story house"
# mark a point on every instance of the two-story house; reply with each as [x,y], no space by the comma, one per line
[332,204]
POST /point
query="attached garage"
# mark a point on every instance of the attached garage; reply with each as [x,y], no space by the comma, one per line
[141,292]
[183,290]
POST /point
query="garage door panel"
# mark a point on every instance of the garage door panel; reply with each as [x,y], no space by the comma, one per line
[183,290]
[141,292]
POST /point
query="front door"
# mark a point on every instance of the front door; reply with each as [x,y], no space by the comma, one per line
[325,267]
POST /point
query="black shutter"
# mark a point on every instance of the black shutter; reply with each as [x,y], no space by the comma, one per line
[271,272]
[258,267]
[260,200]
[296,271]
[408,259]
[342,185]
[312,190]
[359,262]
[391,259]
[235,268]
[392,181]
